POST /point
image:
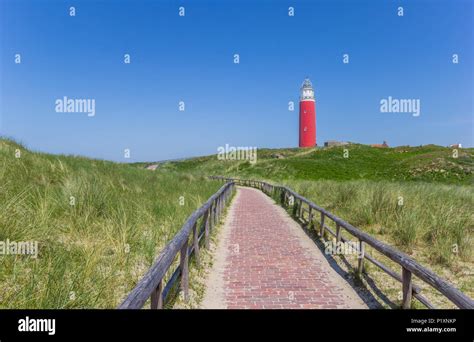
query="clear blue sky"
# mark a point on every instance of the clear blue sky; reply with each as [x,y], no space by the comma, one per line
[191,59]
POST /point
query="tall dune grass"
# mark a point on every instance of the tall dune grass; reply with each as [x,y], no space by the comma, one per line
[434,217]
[92,253]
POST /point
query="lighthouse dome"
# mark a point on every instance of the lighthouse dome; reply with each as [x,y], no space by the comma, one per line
[307,83]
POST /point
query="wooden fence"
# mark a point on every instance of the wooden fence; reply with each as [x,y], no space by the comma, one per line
[186,243]
[409,266]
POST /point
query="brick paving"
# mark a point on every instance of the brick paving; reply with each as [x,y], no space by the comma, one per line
[267,263]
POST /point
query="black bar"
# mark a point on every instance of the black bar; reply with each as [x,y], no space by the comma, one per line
[328,325]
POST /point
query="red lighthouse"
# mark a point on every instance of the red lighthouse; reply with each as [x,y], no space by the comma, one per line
[307,115]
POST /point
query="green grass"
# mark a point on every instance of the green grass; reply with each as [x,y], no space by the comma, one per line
[427,163]
[91,254]
[433,217]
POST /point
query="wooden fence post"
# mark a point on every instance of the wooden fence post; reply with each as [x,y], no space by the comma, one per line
[214,214]
[295,207]
[338,233]
[156,301]
[310,216]
[206,228]
[360,262]
[184,265]
[321,229]
[211,218]
[407,288]
[196,243]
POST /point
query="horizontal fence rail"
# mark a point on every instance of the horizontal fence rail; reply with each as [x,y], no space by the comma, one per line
[186,243]
[409,266]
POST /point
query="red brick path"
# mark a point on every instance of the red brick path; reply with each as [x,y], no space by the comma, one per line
[267,266]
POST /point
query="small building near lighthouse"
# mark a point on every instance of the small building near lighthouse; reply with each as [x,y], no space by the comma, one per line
[307,124]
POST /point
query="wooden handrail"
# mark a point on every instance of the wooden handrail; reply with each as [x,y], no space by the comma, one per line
[151,285]
[409,265]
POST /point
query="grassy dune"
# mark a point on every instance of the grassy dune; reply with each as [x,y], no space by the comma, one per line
[93,252]
[437,217]
[426,163]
